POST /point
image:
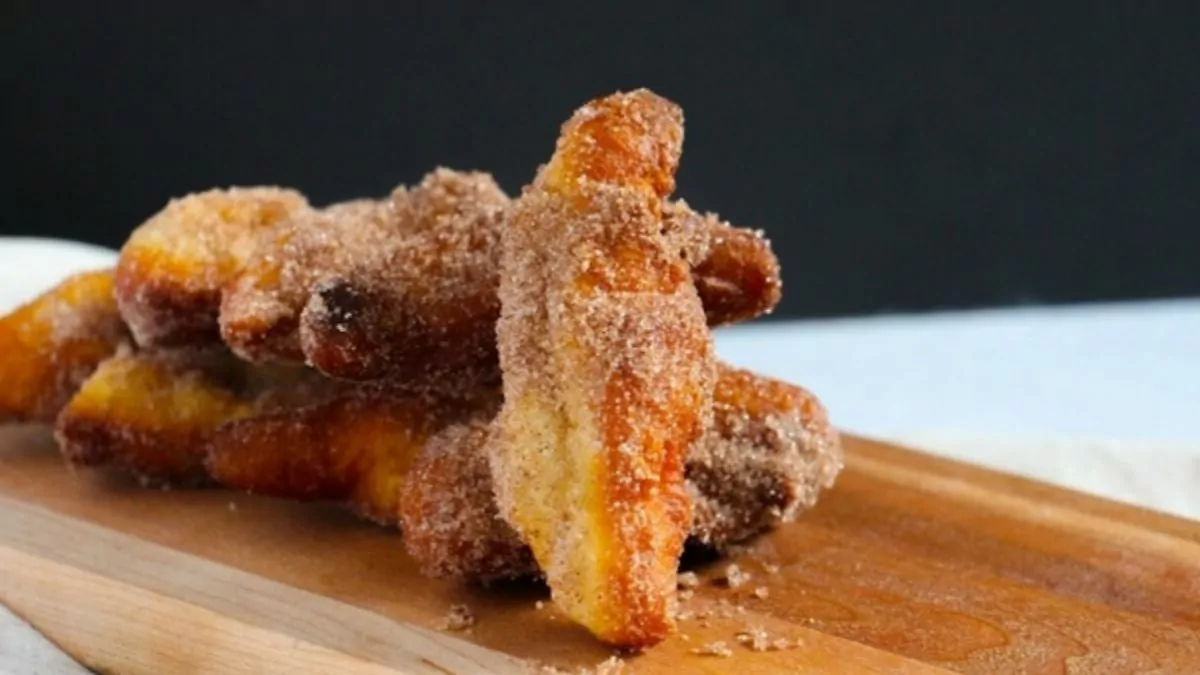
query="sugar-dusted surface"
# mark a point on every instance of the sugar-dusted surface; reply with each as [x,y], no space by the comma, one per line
[770,453]
[735,271]
[608,370]
[451,525]
[416,295]
[400,287]
[173,268]
[260,308]
[49,345]
[744,478]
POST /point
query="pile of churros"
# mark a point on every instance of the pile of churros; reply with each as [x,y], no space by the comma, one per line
[526,387]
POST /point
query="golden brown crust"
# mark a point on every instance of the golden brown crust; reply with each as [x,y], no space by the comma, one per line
[608,370]
[421,306]
[51,344]
[448,512]
[354,448]
[260,308]
[173,268]
[735,271]
[770,452]
[151,414]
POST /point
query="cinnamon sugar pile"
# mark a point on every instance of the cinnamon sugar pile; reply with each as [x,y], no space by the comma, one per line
[459,618]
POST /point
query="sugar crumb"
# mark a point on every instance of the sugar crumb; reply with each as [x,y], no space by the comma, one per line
[687,580]
[686,594]
[734,576]
[458,618]
[770,568]
[613,665]
[758,640]
[762,593]
[718,649]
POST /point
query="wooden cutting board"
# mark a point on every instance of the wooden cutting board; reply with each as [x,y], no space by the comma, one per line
[911,564]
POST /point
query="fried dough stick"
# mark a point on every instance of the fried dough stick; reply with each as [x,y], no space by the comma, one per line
[355,449]
[51,344]
[432,317]
[173,268]
[768,456]
[608,370]
[152,414]
[281,431]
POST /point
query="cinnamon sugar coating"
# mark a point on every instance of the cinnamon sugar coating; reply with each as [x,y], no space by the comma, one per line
[735,271]
[52,343]
[361,324]
[403,287]
[770,452]
[420,305]
[174,267]
[608,370]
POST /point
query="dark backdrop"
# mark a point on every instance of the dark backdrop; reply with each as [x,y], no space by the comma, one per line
[900,158]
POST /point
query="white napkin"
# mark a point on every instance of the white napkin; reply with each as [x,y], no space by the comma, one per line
[29,266]
[1155,474]
[24,651]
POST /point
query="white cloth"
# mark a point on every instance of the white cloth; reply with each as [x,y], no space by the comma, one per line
[24,651]
[1100,398]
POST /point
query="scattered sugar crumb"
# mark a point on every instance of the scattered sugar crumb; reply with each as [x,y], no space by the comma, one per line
[735,577]
[458,618]
[233,506]
[719,649]
[687,580]
[686,594]
[539,604]
[758,640]
[762,593]
[770,568]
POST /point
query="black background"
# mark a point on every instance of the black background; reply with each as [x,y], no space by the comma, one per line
[901,157]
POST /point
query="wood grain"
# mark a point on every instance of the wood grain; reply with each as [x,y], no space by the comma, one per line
[912,564]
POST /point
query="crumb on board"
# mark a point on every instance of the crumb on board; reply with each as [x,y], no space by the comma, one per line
[762,593]
[458,618]
[719,649]
[233,506]
[687,580]
[539,604]
[734,576]
[758,640]
[770,568]
[686,594]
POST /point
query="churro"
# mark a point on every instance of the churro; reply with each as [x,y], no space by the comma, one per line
[54,342]
[608,370]
[173,268]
